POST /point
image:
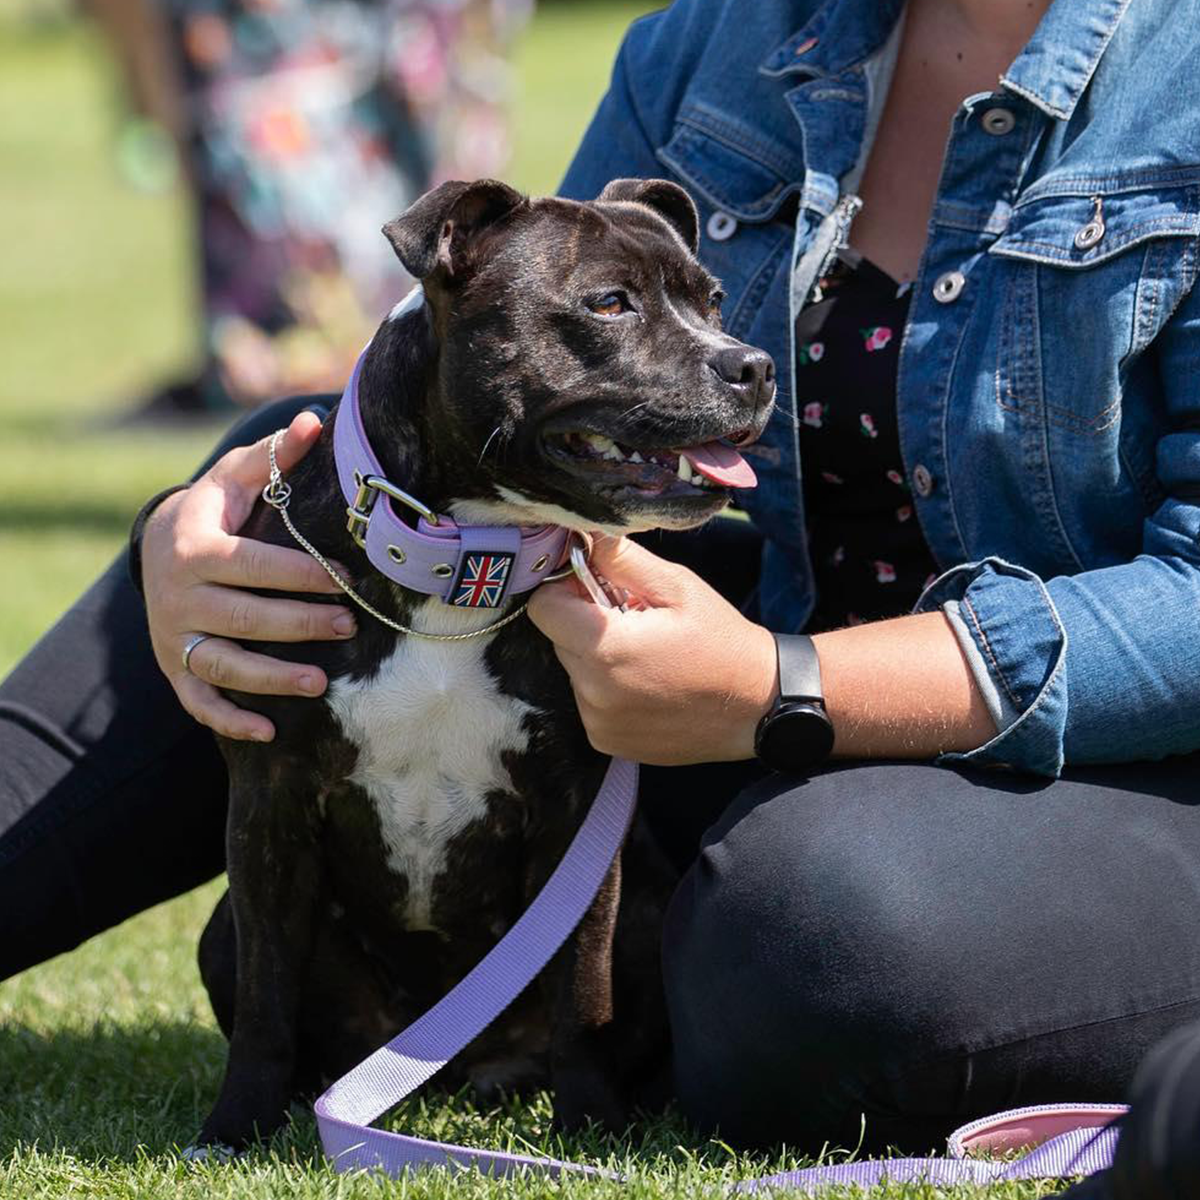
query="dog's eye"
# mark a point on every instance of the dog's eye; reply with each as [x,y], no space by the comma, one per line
[613,304]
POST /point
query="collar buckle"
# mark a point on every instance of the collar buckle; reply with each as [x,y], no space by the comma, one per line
[369,487]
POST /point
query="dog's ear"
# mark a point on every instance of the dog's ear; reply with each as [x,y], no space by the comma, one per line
[437,230]
[668,199]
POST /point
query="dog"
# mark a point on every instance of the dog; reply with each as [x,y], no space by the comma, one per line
[396,827]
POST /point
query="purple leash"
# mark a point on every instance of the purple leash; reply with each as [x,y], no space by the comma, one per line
[431,1041]
[1075,1139]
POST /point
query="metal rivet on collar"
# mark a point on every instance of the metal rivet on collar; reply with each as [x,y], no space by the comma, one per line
[442,570]
[541,563]
[805,46]
[396,554]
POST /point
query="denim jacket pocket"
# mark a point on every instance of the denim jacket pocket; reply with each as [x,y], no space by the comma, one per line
[1085,280]
[1093,223]
[729,165]
[740,180]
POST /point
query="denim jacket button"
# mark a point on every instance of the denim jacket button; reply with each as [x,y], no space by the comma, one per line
[1089,234]
[949,287]
[998,121]
[922,481]
[721,226]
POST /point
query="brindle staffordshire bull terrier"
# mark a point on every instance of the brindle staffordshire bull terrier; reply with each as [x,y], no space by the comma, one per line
[567,367]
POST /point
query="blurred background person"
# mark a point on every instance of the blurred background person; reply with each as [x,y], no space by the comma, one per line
[296,123]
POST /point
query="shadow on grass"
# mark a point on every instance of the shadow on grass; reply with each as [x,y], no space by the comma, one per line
[101,1092]
[114,1094]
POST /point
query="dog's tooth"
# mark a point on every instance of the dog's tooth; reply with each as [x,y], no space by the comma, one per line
[614,453]
[635,457]
[600,443]
[684,470]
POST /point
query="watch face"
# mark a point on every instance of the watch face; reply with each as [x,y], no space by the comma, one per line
[794,736]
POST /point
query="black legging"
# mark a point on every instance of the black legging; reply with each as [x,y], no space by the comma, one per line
[913,943]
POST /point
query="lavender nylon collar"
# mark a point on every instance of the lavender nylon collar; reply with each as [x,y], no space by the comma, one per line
[434,558]
[1079,1139]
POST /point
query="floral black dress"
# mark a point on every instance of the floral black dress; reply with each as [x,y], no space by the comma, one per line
[868,553]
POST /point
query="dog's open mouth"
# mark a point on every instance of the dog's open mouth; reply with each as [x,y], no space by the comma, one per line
[709,467]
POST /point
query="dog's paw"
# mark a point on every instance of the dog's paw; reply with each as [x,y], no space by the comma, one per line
[214,1152]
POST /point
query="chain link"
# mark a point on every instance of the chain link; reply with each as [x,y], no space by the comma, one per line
[278,495]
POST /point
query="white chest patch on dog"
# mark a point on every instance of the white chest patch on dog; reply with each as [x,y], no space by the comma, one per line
[430,726]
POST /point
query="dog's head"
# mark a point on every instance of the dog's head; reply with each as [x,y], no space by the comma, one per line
[582,377]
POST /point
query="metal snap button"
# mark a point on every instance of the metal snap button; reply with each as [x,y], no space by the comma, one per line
[922,480]
[1089,234]
[998,121]
[949,286]
[721,226]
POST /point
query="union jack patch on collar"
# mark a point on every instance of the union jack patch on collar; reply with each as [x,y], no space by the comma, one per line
[482,580]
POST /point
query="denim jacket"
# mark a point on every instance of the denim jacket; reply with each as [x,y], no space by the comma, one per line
[1049,379]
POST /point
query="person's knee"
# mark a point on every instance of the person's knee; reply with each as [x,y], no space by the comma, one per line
[795,962]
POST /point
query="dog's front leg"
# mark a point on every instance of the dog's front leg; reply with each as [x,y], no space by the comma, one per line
[274,883]
[581,1049]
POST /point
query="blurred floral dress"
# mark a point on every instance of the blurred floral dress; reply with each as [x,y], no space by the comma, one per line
[310,124]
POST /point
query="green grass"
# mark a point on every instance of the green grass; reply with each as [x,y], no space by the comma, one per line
[109,1057]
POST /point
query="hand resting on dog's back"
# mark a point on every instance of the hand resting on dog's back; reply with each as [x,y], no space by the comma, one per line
[197,575]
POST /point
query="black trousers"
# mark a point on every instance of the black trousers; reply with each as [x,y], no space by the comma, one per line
[913,943]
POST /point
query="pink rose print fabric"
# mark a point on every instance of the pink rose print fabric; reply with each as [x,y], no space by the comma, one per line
[869,556]
[876,338]
[814,414]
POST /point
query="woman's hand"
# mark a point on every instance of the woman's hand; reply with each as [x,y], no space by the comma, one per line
[193,567]
[684,679]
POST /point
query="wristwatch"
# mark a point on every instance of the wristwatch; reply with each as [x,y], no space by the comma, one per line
[797,732]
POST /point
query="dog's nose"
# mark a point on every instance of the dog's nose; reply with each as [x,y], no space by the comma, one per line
[746,368]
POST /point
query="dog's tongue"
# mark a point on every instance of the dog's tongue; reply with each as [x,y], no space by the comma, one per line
[721,463]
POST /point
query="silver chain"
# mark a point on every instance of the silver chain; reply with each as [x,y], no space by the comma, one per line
[278,495]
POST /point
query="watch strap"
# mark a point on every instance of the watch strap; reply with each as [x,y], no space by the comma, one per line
[799,668]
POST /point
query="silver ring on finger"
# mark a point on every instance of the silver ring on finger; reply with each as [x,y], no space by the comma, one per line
[190,645]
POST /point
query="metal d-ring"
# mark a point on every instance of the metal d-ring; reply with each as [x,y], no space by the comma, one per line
[359,513]
[390,489]
[586,542]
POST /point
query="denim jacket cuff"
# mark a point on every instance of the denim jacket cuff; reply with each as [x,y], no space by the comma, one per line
[1016,645]
[1001,709]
